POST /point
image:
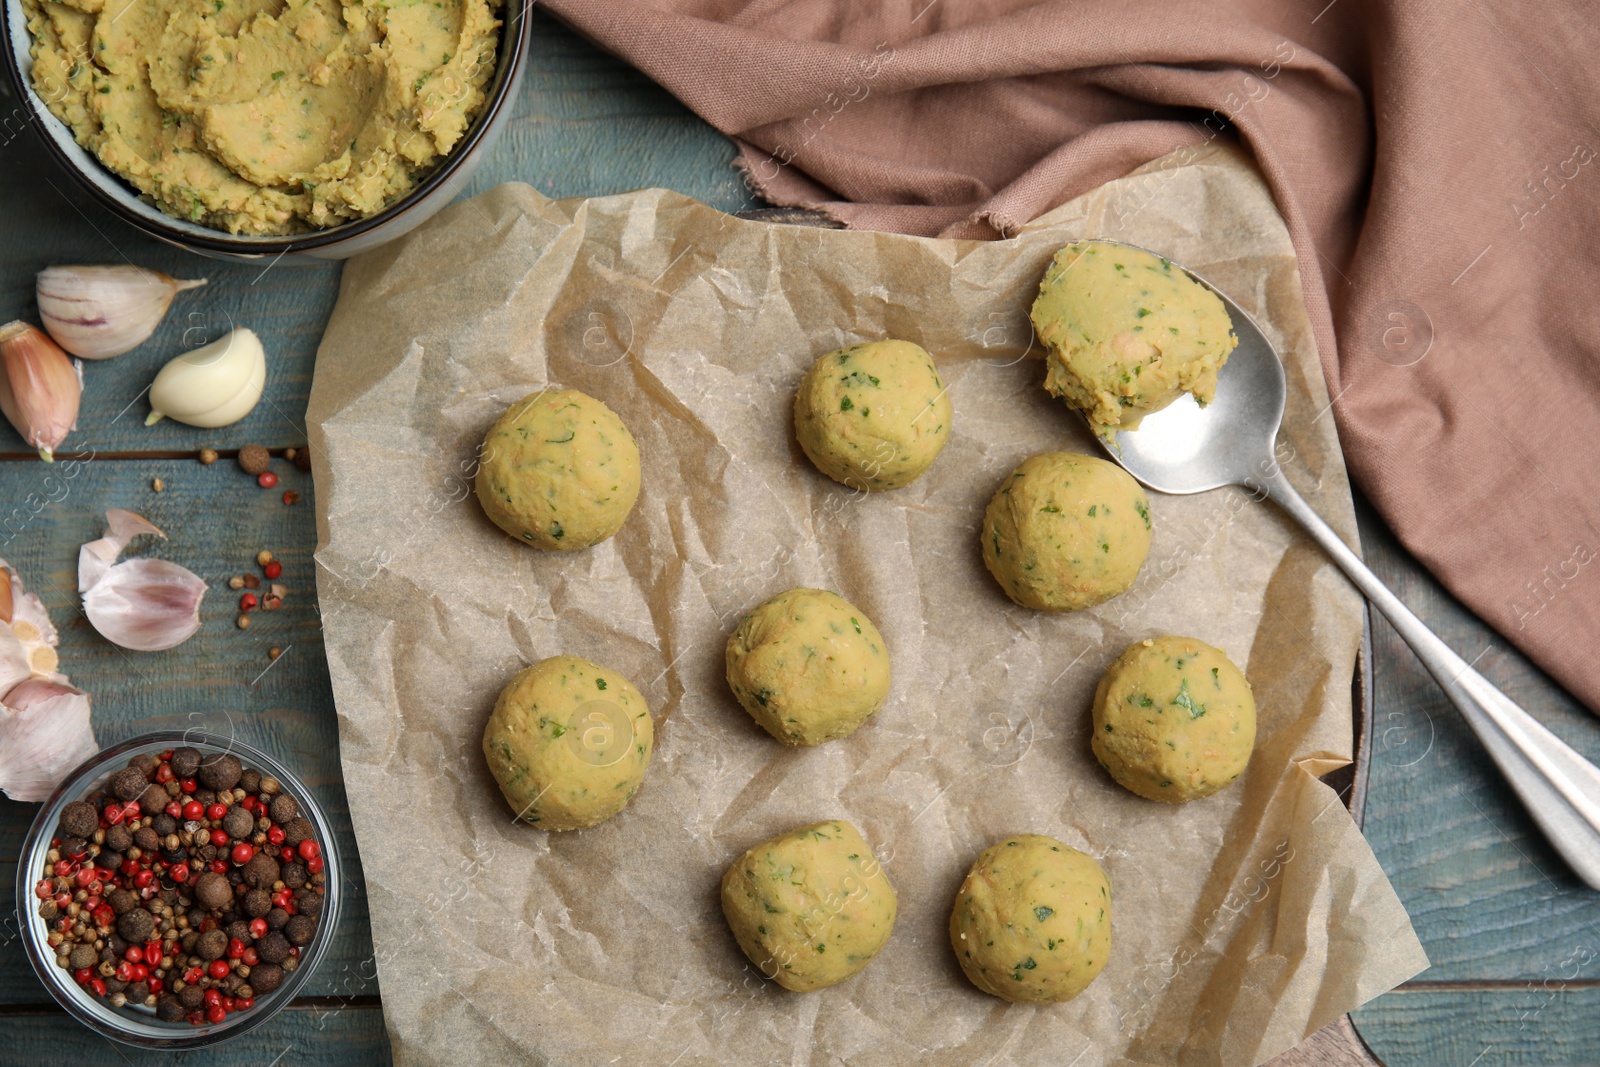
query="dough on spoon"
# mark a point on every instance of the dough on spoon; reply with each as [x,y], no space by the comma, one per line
[809,666]
[1128,333]
[873,416]
[1066,531]
[558,471]
[1032,920]
[1174,719]
[810,907]
[568,742]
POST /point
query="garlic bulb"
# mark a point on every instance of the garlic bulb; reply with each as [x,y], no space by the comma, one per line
[39,387]
[44,721]
[211,386]
[143,604]
[44,735]
[100,312]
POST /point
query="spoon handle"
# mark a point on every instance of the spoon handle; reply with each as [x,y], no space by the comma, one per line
[1560,788]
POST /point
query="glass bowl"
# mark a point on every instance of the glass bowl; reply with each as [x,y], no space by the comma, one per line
[138,1025]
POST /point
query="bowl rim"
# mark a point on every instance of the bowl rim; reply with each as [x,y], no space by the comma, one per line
[515,33]
[100,1016]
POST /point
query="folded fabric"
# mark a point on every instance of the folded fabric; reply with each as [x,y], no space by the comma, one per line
[1435,164]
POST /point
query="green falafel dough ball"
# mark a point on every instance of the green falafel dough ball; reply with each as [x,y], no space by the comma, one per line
[1032,921]
[559,471]
[1128,333]
[810,907]
[1174,719]
[873,416]
[808,666]
[1066,531]
[569,742]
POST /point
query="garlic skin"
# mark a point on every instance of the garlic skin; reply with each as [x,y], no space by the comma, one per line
[103,311]
[212,386]
[44,721]
[40,388]
[44,735]
[146,605]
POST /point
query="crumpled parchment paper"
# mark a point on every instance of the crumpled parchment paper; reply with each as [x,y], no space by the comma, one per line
[1241,923]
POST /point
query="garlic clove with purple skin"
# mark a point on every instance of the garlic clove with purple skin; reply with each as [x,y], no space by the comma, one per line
[103,311]
[40,388]
[146,605]
[44,735]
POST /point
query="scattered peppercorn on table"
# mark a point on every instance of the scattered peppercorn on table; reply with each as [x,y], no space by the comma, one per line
[1512,936]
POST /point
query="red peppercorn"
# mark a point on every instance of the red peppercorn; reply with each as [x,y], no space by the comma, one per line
[294,950]
[140,971]
[180,873]
[219,838]
[281,898]
[248,602]
[84,876]
[188,785]
[193,975]
[128,868]
[134,954]
[124,972]
[309,848]
[275,835]
[272,570]
[314,864]
[82,975]
[63,868]
[112,815]
[164,774]
[215,1014]
[288,854]
[156,984]
[103,915]
[63,899]
[194,811]
[219,866]
[250,957]
[246,1003]
[218,969]
[144,878]
[216,812]
[174,809]
[243,853]
[43,888]
[212,996]
[98,985]
[153,953]
[266,479]
[258,928]
[235,948]
[196,1018]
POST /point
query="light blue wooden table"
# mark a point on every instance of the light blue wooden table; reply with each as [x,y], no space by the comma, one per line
[1515,940]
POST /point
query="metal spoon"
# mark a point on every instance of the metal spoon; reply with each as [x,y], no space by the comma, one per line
[1185,448]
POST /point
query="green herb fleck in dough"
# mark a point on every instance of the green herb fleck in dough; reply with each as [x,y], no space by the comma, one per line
[846,405]
[600,683]
[1042,913]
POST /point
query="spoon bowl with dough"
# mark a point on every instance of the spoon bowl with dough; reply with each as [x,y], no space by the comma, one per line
[1185,448]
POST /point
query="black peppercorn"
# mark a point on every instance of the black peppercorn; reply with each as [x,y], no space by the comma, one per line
[211,945]
[137,992]
[163,824]
[220,771]
[309,901]
[175,855]
[273,948]
[185,762]
[128,783]
[206,797]
[147,838]
[79,819]
[297,830]
[144,762]
[261,871]
[239,930]
[250,780]
[265,977]
[192,997]
[84,956]
[283,808]
[276,918]
[212,890]
[153,799]
[108,860]
[170,1009]
[258,902]
[300,929]
[119,838]
[293,874]
[71,846]
[136,925]
[239,824]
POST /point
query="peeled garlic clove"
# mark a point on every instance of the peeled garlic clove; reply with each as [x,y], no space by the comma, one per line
[100,312]
[44,735]
[211,386]
[39,387]
[30,627]
[143,604]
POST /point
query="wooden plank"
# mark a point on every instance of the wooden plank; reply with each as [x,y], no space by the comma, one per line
[216,519]
[1488,896]
[1531,1026]
[336,1034]
[585,124]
